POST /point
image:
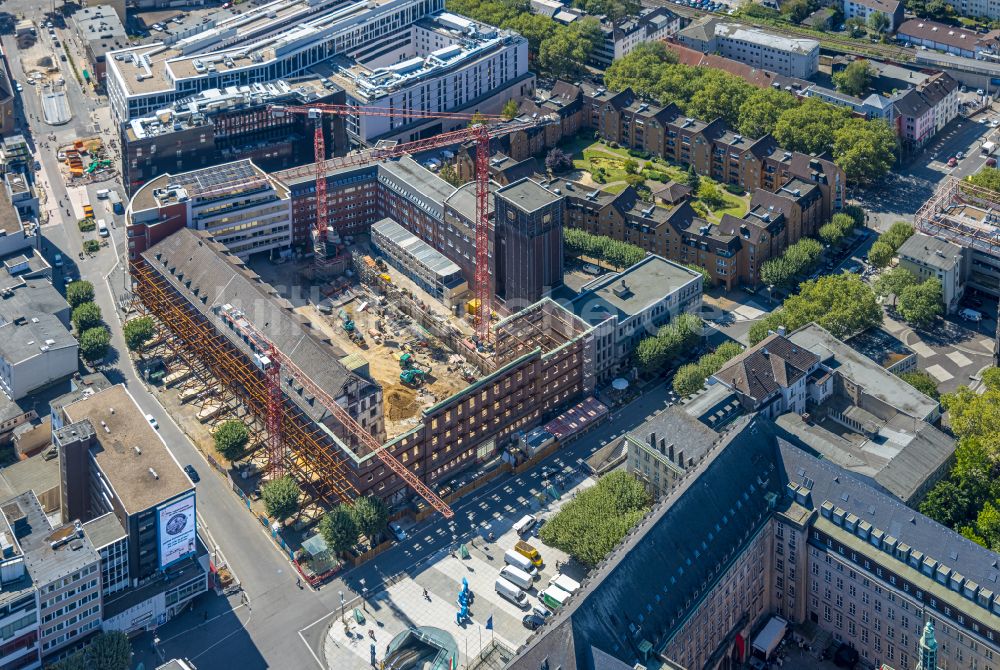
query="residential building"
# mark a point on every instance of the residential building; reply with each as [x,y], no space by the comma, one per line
[985,9]
[36,347]
[113,462]
[239,204]
[225,125]
[401,54]
[943,37]
[925,110]
[628,306]
[100,29]
[8,123]
[927,257]
[65,570]
[862,9]
[873,106]
[622,36]
[19,618]
[18,213]
[789,56]
[751,75]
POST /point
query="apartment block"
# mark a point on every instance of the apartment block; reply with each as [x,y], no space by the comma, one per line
[622,36]
[928,257]
[862,9]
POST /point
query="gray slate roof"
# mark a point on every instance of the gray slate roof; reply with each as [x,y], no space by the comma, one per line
[223,279]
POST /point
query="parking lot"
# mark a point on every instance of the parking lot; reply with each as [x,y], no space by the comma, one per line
[402,604]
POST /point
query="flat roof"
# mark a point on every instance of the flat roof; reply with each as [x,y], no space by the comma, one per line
[50,553]
[32,474]
[872,377]
[631,291]
[931,251]
[129,449]
[104,530]
[527,194]
[418,250]
[736,31]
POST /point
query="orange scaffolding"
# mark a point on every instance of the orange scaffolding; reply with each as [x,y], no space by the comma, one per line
[309,452]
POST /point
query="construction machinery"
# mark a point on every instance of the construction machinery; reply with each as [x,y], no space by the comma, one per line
[478,131]
[351,328]
[408,362]
[412,376]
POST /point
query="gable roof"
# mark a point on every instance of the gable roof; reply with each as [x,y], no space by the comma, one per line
[775,363]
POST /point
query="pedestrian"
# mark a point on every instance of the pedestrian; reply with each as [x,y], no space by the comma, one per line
[206,615]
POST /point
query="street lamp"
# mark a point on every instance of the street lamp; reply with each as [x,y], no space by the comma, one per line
[342,619]
[364,594]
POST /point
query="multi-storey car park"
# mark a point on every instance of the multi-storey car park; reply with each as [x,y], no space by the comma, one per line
[404,54]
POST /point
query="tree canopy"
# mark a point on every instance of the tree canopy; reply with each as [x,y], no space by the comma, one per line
[281,497]
[797,260]
[987,177]
[94,343]
[79,292]
[672,341]
[761,110]
[920,304]
[921,381]
[893,282]
[842,304]
[834,232]
[105,651]
[866,150]
[691,377]
[338,529]
[878,22]
[602,248]
[370,516]
[855,79]
[86,315]
[231,439]
[592,524]
[810,126]
[138,331]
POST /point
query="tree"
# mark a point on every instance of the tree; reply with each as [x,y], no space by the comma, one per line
[670,342]
[706,276]
[710,195]
[866,150]
[85,316]
[947,503]
[138,331]
[558,160]
[281,497]
[878,22]
[338,529]
[105,651]
[761,110]
[797,10]
[370,516]
[631,166]
[94,344]
[856,78]
[91,246]
[231,439]
[810,126]
[450,174]
[566,52]
[921,381]
[894,282]
[693,178]
[796,261]
[510,109]
[898,233]
[642,70]
[841,303]
[477,119]
[691,377]
[533,27]
[590,526]
[880,254]
[612,9]
[921,304]
[79,292]
[831,234]
[987,177]
[719,94]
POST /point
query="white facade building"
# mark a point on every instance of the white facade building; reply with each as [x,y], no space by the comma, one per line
[790,56]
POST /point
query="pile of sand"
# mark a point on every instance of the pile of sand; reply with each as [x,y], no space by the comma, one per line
[401,403]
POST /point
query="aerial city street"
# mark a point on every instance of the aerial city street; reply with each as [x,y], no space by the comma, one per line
[499,334]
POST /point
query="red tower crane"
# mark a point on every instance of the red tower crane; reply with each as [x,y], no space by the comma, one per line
[478,131]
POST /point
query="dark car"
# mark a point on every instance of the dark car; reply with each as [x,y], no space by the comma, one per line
[532,621]
[969,300]
[192,473]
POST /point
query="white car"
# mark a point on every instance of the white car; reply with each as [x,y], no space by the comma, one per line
[152,421]
[18,86]
[398,531]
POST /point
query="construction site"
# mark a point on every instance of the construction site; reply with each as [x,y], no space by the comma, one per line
[969,216]
[378,359]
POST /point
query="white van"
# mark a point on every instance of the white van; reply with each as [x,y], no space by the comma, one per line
[526,523]
[103,193]
[511,592]
[511,557]
[102,228]
[516,575]
[971,315]
[565,583]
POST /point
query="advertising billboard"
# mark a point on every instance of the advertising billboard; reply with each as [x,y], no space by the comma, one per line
[178,530]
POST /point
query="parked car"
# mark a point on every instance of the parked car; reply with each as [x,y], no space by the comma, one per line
[192,473]
[991,162]
[952,162]
[152,421]
[960,155]
[532,621]
[398,531]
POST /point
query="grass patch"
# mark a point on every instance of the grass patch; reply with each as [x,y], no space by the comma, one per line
[735,206]
[615,189]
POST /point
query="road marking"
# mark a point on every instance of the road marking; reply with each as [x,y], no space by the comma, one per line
[922,349]
[939,373]
[960,359]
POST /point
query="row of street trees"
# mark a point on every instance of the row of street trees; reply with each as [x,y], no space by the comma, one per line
[885,247]
[691,377]
[343,525]
[602,248]
[93,335]
[797,261]
[671,342]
